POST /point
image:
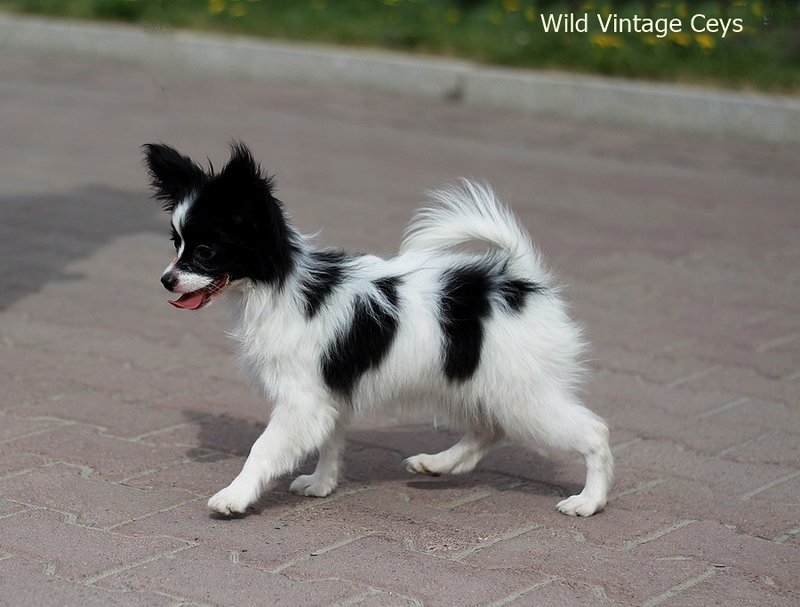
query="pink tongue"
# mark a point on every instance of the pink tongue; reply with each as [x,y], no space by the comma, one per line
[189,301]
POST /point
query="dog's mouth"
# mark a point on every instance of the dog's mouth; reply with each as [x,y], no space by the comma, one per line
[197,299]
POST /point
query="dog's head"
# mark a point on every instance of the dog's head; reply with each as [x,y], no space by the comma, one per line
[226,227]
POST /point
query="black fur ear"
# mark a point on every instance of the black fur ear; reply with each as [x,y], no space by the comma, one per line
[172,175]
[243,168]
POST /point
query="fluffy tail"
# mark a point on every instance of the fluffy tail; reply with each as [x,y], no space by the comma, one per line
[471,212]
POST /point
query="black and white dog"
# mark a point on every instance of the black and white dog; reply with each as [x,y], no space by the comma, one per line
[482,338]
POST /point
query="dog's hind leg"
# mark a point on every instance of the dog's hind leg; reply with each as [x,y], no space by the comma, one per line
[298,426]
[592,442]
[557,419]
[326,475]
[458,459]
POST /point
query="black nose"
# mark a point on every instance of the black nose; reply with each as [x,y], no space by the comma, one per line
[169,280]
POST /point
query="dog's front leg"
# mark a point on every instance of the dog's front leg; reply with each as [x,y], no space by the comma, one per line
[296,428]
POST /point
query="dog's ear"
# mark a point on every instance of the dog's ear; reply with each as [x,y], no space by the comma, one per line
[243,170]
[172,175]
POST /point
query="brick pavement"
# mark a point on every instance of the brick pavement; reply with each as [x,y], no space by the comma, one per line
[119,415]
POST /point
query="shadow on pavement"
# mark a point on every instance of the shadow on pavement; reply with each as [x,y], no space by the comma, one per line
[41,235]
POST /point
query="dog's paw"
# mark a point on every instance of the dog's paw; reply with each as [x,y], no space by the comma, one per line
[422,464]
[312,486]
[233,499]
[580,505]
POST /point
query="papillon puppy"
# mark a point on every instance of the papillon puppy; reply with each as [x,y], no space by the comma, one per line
[481,338]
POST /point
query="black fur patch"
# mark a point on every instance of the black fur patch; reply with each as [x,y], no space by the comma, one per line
[465,305]
[515,292]
[327,273]
[366,342]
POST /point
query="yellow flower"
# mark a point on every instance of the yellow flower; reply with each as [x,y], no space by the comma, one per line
[705,41]
[238,10]
[682,10]
[530,14]
[606,40]
[452,15]
[495,17]
[511,6]
[757,9]
[587,6]
[651,39]
[215,7]
[681,39]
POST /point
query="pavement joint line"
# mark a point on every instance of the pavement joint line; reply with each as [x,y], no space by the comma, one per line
[756,318]
[730,405]
[693,376]
[355,600]
[792,376]
[496,540]
[732,448]
[770,485]
[91,580]
[17,473]
[318,552]
[522,592]
[160,431]
[630,545]
[167,466]
[675,345]
[316,501]
[640,487]
[777,342]
[779,539]
[676,590]
[622,446]
[36,433]
[468,499]
[149,514]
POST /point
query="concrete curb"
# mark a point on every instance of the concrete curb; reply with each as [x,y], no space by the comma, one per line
[598,100]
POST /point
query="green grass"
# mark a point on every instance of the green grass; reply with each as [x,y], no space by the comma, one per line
[765,56]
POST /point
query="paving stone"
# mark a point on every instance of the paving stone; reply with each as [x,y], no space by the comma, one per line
[13,463]
[724,587]
[114,415]
[93,502]
[225,582]
[72,551]
[390,566]
[624,577]
[33,584]
[13,428]
[717,545]
[109,458]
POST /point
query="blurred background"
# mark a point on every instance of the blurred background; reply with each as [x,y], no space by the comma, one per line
[765,55]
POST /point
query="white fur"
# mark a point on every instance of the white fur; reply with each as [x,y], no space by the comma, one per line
[524,387]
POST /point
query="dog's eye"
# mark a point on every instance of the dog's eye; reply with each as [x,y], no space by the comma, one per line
[203,253]
[176,240]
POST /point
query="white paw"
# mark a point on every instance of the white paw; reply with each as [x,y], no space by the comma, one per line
[312,486]
[423,464]
[233,499]
[580,505]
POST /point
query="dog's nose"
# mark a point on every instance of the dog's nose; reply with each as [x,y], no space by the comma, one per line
[169,280]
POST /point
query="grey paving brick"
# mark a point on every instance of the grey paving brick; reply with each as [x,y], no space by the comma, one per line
[33,583]
[75,552]
[92,502]
[225,582]
[390,566]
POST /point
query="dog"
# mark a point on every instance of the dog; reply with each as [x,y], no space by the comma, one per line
[481,337]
